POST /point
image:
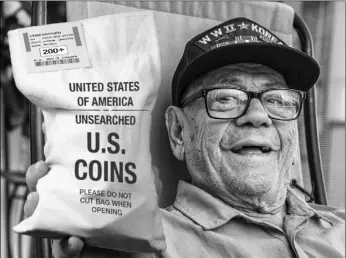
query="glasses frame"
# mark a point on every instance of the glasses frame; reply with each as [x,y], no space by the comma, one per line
[251,95]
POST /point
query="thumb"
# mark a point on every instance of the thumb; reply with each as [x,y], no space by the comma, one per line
[68,248]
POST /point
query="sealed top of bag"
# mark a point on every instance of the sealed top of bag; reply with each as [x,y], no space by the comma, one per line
[63,46]
[54,47]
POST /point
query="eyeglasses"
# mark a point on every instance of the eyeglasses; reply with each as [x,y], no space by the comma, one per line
[227,103]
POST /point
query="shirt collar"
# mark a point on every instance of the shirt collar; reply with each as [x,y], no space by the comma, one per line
[210,212]
[296,205]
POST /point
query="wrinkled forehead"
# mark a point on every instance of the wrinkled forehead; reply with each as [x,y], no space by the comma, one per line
[249,76]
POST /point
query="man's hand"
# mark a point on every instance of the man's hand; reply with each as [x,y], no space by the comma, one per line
[66,248]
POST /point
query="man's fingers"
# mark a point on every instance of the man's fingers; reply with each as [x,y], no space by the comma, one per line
[68,248]
[44,127]
[34,173]
[30,204]
[158,182]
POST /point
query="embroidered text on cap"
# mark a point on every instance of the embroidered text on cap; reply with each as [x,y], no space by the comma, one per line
[239,30]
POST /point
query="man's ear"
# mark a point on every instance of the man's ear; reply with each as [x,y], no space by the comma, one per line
[175,128]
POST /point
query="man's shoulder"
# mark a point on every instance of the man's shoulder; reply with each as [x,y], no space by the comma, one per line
[334,213]
[172,213]
[174,219]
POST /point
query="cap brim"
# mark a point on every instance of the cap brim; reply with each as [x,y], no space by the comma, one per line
[299,70]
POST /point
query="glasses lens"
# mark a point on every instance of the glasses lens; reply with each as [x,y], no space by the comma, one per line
[282,104]
[226,103]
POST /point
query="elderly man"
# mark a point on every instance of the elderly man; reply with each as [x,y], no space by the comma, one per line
[237,93]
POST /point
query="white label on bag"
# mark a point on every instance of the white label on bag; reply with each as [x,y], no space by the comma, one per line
[54,47]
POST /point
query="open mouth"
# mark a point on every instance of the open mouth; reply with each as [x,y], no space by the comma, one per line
[252,149]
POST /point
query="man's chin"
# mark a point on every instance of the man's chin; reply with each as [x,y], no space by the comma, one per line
[256,198]
[254,184]
[264,197]
[255,189]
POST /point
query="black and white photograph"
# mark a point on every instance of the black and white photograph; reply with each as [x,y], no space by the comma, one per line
[172,129]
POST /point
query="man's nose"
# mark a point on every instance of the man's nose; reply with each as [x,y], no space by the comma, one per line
[255,115]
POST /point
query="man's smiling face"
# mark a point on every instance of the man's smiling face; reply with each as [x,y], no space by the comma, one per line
[245,161]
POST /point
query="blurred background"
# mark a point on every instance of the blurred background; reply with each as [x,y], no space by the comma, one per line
[326,21]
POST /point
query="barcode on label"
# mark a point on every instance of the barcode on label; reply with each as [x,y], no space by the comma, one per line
[60,61]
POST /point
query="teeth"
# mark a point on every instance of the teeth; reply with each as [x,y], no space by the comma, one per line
[237,149]
[263,149]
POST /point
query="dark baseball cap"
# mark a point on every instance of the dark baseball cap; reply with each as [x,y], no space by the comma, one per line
[241,40]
